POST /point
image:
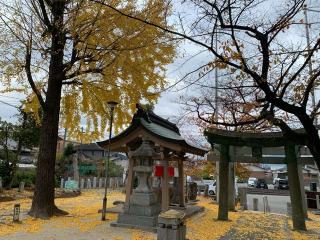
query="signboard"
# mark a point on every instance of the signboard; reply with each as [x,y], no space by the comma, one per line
[72,185]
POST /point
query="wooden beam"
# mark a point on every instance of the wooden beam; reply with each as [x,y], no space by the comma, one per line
[266,151]
[264,159]
[270,139]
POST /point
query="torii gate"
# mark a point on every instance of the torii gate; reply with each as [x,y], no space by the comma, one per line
[272,148]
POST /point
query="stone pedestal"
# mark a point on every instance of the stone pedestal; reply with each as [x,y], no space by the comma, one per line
[171,226]
[143,207]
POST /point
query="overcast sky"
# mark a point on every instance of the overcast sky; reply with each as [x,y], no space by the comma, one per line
[167,106]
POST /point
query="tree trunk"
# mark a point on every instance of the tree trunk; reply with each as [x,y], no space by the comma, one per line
[43,200]
[313,137]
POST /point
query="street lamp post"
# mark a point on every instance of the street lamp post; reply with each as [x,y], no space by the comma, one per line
[112,106]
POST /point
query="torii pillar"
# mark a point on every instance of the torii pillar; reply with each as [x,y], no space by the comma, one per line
[223,182]
[298,213]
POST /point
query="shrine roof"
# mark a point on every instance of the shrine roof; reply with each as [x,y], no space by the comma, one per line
[156,126]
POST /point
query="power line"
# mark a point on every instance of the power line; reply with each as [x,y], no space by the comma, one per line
[11,105]
[10,97]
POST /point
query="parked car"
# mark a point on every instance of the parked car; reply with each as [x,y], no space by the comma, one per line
[275,180]
[208,181]
[252,182]
[261,183]
[281,184]
[212,188]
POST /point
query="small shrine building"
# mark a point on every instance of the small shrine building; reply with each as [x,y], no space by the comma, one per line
[151,142]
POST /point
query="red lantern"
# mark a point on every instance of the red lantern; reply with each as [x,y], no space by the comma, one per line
[170,171]
[158,171]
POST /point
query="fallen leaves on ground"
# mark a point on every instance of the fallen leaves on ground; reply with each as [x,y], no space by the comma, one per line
[83,214]
[313,227]
[204,226]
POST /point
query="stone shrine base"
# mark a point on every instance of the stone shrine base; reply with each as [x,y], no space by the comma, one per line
[147,223]
[137,222]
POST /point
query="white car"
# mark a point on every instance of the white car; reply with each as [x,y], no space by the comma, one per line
[275,180]
[212,188]
[252,182]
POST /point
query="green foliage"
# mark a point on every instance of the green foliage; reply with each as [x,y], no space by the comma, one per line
[90,169]
[68,151]
[115,170]
[27,131]
[63,161]
[7,157]
[27,176]
[6,171]
[25,134]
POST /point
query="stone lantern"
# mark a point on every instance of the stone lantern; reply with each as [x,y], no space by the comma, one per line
[143,207]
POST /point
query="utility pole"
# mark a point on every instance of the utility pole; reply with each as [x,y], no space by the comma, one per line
[305,11]
[216,115]
[216,83]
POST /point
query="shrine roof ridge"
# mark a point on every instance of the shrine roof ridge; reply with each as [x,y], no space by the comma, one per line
[156,126]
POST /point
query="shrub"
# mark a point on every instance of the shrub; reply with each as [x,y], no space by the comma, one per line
[27,176]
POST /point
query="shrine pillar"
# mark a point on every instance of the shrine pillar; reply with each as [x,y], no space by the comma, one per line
[129,183]
[165,198]
[181,183]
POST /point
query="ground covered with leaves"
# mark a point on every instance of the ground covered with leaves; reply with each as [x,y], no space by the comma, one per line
[84,222]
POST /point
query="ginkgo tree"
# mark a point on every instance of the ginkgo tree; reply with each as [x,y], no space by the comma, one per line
[70,58]
[256,43]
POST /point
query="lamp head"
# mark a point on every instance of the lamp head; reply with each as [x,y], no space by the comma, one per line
[112,104]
